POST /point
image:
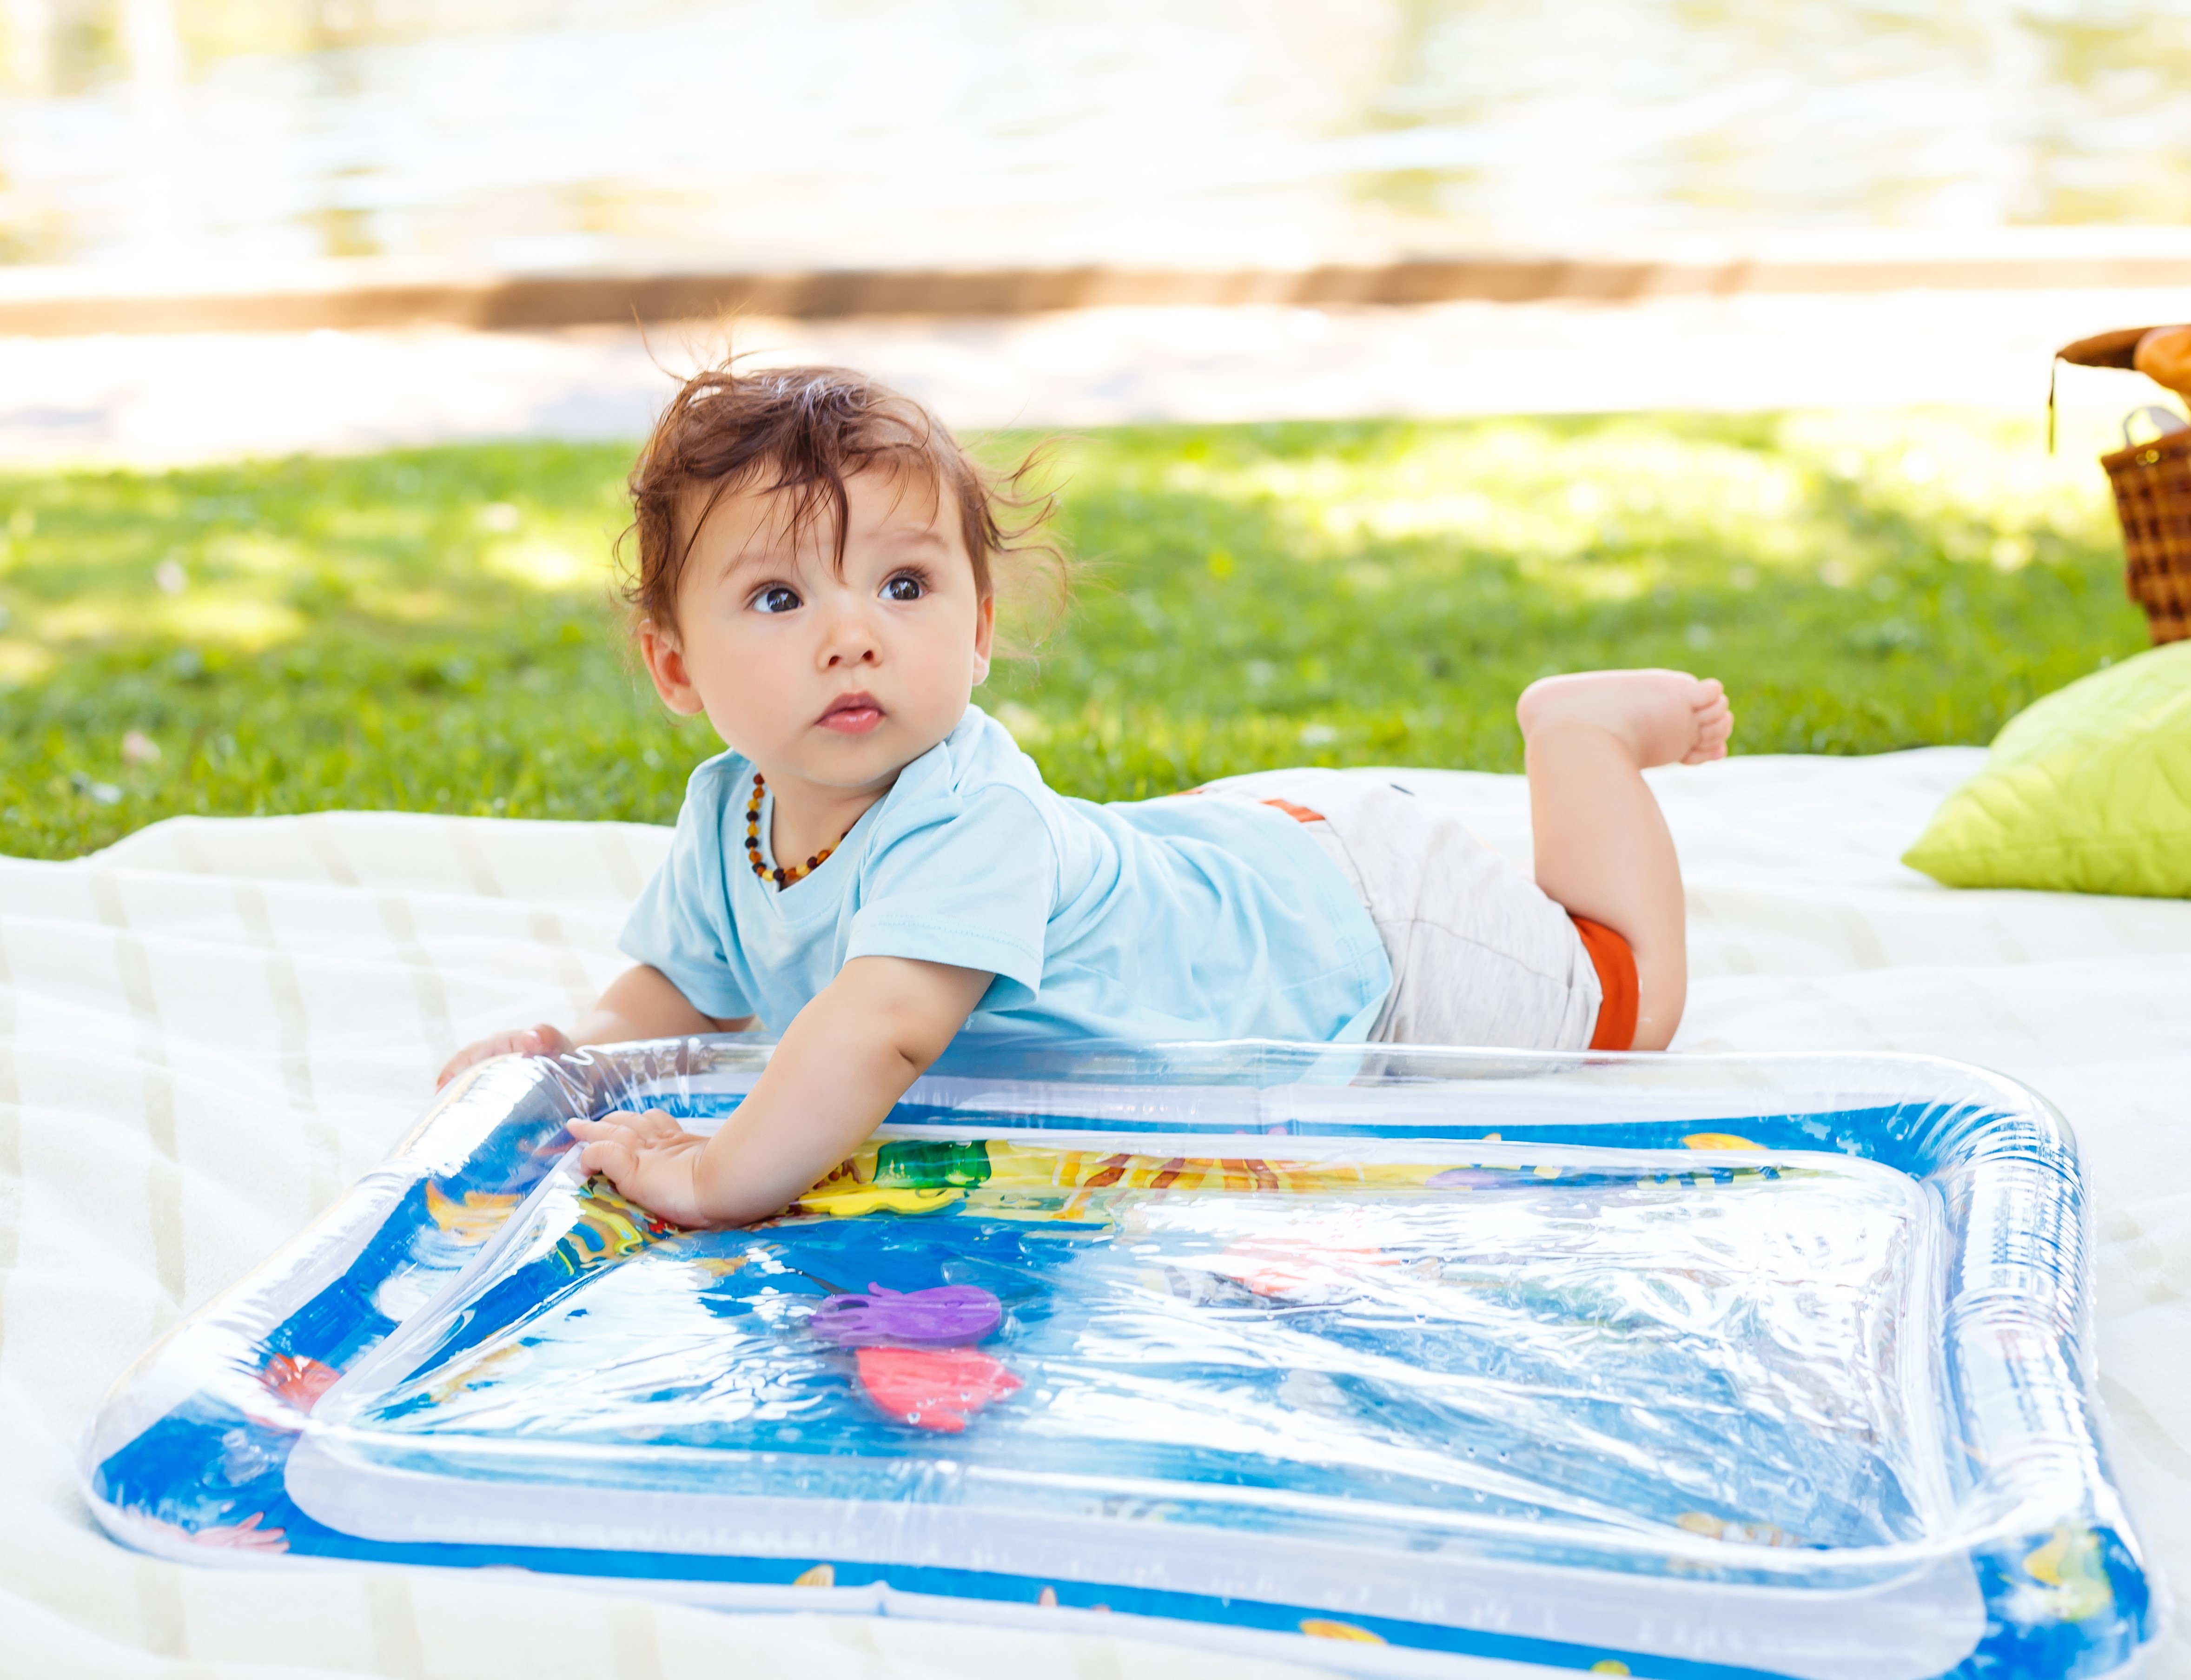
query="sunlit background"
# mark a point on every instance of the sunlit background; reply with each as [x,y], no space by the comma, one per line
[283,567]
[525,134]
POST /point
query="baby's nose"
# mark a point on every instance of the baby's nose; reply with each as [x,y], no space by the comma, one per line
[851,645]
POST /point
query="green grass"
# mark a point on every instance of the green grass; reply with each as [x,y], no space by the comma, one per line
[433,629]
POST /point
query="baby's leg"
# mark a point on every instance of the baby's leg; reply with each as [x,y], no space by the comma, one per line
[1602,850]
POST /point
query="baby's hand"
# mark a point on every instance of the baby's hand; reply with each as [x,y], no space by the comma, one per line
[651,1160]
[541,1040]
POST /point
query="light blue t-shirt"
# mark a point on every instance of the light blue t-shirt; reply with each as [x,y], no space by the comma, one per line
[1171,919]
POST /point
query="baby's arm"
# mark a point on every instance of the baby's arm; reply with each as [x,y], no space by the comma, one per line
[846,1059]
[640,1003]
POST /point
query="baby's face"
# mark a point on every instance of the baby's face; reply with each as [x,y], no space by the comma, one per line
[836,677]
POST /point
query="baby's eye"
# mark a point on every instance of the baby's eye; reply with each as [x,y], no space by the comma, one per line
[775,598]
[904,587]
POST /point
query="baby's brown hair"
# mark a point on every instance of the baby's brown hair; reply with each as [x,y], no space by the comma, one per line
[806,430]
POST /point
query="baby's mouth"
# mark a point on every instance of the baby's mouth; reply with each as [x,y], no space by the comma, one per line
[854,713]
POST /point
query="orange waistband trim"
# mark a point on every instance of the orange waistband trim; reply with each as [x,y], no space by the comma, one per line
[1300,813]
[1615,963]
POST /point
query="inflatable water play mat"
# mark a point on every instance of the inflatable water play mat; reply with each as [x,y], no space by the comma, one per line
[1387,1360]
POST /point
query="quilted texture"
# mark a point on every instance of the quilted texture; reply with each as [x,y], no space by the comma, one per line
[207,1031]
[2089,790]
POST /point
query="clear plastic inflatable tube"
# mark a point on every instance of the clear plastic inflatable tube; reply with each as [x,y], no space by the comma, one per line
[1391,1360]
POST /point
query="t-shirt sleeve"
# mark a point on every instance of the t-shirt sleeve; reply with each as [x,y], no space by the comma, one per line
[681,924]
[965,880]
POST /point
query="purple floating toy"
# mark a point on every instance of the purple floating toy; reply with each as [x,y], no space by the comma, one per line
[953,1315]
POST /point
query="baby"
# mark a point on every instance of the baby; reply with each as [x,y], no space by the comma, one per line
[875,867]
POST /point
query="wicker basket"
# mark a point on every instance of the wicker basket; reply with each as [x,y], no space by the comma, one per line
[2153,495]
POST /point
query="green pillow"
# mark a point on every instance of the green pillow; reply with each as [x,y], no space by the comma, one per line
[2088,790]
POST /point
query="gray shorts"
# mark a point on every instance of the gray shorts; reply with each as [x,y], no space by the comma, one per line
[1479,955]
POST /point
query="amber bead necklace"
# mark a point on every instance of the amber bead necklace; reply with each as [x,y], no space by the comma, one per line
[780,876]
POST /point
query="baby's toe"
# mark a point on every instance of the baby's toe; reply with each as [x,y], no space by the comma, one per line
[1714,729]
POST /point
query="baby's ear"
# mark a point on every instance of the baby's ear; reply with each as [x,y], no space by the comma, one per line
[985,637]
[665,663]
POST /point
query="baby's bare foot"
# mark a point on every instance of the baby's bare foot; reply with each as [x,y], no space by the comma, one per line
[1665,717]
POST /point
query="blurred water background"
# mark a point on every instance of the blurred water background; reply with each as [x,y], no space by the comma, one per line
[524,134]
[1819,462]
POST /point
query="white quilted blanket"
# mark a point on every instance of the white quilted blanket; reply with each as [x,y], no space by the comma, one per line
[209,1029]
